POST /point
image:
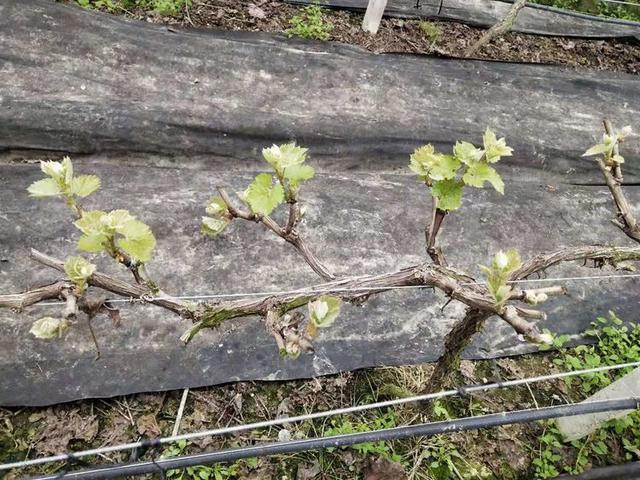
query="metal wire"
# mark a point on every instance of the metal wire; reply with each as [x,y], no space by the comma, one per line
[312,416]
[633,4]
[387,434]
[311,291]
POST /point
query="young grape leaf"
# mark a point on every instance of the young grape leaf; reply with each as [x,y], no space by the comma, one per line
[467,153]
[284,156]
[448,193]
[91,222]
[508,261]
[52,169]
[78,270]
[46,187]
[296,174]
[598,149]
[84,185]
[138,240]
[67,170]
[217,206]
[92,243]
[49,327]
[116,220]
[324,310]
[138,248]
[133,228]
[263,196]
[479,172]
[213,226]
[502,265]
[495,148]
[428,164]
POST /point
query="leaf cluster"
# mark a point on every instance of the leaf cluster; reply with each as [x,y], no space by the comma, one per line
[49,327]
[322,313]
[61,182]
[78,270]
[447,175]
[497,275]
[267,191]
[608,147]
[118,229]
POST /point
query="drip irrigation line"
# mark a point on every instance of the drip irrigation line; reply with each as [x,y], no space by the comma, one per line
[311,291]
[626,471]
[465,390]
[396,433]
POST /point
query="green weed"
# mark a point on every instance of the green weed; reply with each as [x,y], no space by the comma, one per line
[432,31]
[162,7]
[216,471]
[616,342]
[596,7]
[310,23]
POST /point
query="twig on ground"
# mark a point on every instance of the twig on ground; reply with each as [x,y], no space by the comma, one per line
[499,28]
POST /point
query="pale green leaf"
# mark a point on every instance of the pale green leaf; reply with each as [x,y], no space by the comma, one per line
[140,248]
[138,240]
[217,206]
[324,310]
[46,187]
[495,148]
[92,243]
[507,261]
[445,168]
[84,185]
[78,270]
[213,226]
[428,164]
[52,169]
[467,153]
[116,220]
[617,159]
[448,193]
[283,156]
[502,266]
[501,294]
[298,173]
[480,172]
[67,168]
[598,149]
[49,327]
[134,229]
[422,159]
[263,196]
[91,222]
[514,261]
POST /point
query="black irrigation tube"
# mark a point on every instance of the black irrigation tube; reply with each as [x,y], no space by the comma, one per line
[421,430]
[626,471]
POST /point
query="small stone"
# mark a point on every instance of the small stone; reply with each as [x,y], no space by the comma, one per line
[284,435]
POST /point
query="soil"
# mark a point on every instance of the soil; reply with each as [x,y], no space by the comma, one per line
[93,423]
[407,36]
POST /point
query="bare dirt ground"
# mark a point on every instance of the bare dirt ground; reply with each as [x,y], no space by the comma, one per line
[500,453]
[407,36]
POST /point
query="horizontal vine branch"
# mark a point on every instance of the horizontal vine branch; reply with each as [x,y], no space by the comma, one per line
[212,314]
